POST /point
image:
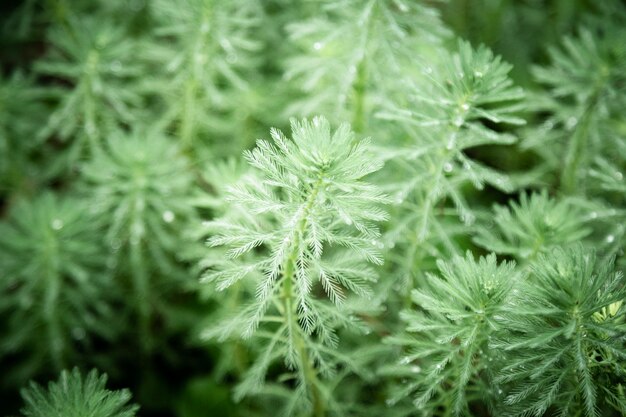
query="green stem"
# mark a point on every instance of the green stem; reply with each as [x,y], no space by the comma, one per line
[358,118]
[577,149]
[187,125]
[359,86]
[187,128]
[51,301]
[141,289]
[306,364]
[89,107]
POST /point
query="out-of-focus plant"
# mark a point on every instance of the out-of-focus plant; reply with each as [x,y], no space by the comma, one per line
[208,48]
[139,187]
[77,395]
[21,111]
[93,60]
[53,282]
[537,224]
[351,54]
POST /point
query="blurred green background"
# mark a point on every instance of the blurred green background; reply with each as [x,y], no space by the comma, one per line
[177,378]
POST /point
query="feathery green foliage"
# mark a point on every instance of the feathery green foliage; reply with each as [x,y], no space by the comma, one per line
[51,280]
[311,194]
[139,186]
[565,338]
[76,396]
[456,318]
[453,246]
[93,58]
[351,51]
[209,51]
[535,225]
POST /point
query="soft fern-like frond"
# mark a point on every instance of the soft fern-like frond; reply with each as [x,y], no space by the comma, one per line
[76,396]
[348,52]
[310,201]
[53,280]
[451,109]
[140,185]
[536,224]
[449,356]
[564,337]
[586,89]
[209,48]
[94,58]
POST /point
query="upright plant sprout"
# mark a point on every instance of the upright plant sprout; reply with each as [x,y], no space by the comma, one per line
[329,208]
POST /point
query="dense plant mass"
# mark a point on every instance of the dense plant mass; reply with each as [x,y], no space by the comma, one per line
[312,208]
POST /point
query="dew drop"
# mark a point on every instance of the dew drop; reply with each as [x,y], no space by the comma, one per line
[318,45]
[428,70]
[571,122]
[478,74]
[57,224]
[450,144]
[458,121]
[116,244]
[405,360]
[593,215]
[116,66]
[415,369]
[79,333]
[168,216]
[619,176]
[465,106]
[610,239]
[447,167]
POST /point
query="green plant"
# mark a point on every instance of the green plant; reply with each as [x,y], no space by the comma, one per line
[456,319]
[74,395]
[452,247]
[139,187]
[311,192]
[51,281]
[564,338]
[91,56]
[535,225]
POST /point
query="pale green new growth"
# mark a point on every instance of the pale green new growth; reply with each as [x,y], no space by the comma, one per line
[455,318]
[535,225]
[314,225]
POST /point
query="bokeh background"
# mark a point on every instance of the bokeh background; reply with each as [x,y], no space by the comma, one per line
[76,73]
